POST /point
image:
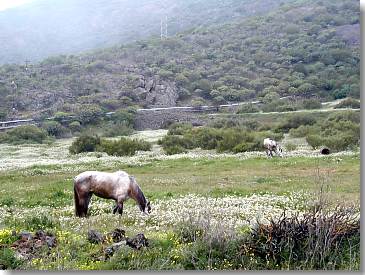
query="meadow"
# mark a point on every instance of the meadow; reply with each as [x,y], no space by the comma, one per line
[226,193]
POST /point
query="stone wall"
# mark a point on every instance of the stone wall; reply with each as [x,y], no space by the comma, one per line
[157,119]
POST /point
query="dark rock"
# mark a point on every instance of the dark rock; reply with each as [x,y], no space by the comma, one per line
[51,241]
[110,250]
[118,235]
[95,237]
[25,236]
[325,151]
[137,241]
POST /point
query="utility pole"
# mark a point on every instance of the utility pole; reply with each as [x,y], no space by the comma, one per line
[163,28]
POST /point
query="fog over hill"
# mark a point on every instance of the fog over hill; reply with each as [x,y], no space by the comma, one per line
[44,28]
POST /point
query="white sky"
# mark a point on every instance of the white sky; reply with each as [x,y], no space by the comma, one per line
[6,4]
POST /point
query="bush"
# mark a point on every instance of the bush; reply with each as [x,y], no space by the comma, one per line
[113,129]
[89,114]
[318,240]
[84,144]
[75,126]
[311,104]
[176,144]
[125,116]
[348,103]
[8,259]
[54,128]
[295,121]
[179,128]
[123,147]
[290,147]
[24,134]
[207,138]
[248,108]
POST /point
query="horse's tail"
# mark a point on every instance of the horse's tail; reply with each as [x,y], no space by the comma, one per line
[81,204]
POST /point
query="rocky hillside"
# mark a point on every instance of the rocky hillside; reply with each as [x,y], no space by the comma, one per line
[300,49]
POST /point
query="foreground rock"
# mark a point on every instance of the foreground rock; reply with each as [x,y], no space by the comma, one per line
[28,245]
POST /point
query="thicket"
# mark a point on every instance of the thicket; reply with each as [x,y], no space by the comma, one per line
[235,139]
[24,134]
[315,240]
[348,103]
[121,147]
[339,131]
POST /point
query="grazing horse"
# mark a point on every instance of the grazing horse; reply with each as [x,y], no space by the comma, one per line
[118,186]
[272,146]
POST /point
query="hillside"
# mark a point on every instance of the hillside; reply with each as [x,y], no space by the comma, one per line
[302,49]
[43,28]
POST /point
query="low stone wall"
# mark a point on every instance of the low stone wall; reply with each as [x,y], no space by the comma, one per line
[157,119]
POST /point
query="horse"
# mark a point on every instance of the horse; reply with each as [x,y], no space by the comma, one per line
[272,146]
[118,186]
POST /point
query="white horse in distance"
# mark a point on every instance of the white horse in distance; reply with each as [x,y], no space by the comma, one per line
[272,146]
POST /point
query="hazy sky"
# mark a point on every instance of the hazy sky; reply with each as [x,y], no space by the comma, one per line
[6,4]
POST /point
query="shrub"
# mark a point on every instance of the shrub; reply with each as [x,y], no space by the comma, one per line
[296,120]
[176,144]
[126,116]
[179,128]
[84,144]
[318,240]
[348,103]
[54,128]
[311,104]
[207,138]
[123,147]
[24,134]
[89,114]
[75,126]
[175,149]
[248,108]
[117,129]
[290,146]
[8,259]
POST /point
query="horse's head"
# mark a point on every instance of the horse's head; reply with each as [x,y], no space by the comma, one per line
[279,150]
[148,207]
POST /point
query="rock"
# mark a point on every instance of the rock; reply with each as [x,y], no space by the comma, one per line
[137,241]
[51,241]
[110,250]
[118,235]
[25,236]
[95,237]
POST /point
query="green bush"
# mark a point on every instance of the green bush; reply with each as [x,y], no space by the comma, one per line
[123,147]
[114,129]
[348,103]
[295,121]
[84,144]
[290,147]
[75,126]
[207,138]
[8,259]
[179,128]
[248,108]
[176,144]
[54,128]
[24,134]
[311,104]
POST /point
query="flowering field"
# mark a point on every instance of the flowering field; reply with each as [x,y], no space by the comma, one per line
[233,192]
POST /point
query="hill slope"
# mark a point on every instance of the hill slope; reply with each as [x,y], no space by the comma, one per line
[44,28]
[299,49]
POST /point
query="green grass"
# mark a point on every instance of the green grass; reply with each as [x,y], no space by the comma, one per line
[159,179]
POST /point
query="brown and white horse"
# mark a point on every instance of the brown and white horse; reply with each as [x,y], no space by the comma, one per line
[272,146]
[118,186]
